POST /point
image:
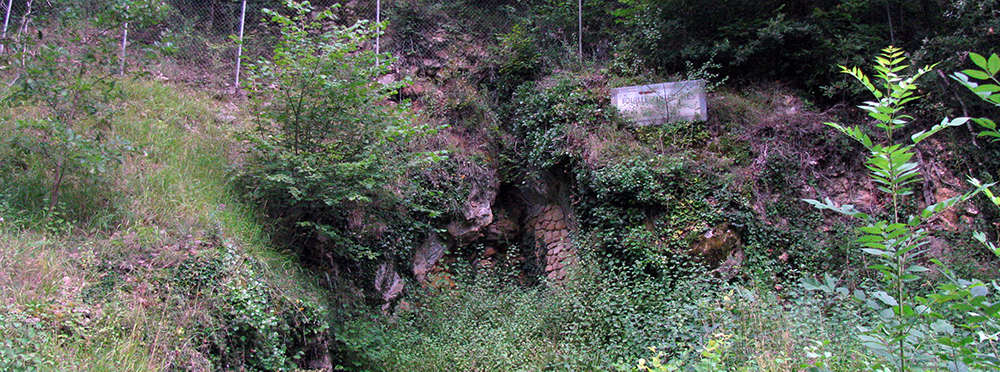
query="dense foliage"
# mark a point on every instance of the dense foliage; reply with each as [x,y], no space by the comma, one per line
[473,201]
[327,143]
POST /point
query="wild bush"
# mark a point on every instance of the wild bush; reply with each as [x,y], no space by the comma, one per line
[62,143]
[907,321]
[786,40]
[519,60]
[19,350]
[329,146]
[542,117]
[252,324]
[603,320]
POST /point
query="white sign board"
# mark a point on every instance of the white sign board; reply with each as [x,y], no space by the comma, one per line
[662,103]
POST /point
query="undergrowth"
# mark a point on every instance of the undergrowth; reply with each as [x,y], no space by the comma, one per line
[603,320]
[79,294]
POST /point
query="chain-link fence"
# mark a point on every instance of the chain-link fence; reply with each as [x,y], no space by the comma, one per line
[204,40]
[425,27]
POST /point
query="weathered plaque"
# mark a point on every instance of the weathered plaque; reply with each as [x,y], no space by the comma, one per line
[662,103]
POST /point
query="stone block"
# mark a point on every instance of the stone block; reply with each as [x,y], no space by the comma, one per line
[662,103]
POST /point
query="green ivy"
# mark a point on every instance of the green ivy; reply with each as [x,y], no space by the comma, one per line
[256,326]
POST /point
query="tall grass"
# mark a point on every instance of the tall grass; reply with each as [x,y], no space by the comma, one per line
[88,295]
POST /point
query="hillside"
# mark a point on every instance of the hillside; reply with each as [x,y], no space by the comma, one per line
[456,189]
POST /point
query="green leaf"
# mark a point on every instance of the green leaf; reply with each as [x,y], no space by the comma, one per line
[994,135]
[854,132]
[917,269]
[887,314]
[979,290]
[942,326]
[979,60]
[979,236]
[985,123]
[986,89]
[885,298]
[877,252]
[976,74]
[936,208]
[994,64]
[871,239]
[845,209]
[922,135]
[873,230]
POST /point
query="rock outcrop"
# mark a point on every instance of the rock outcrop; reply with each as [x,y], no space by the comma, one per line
[426,256]
[477,213]
[716,245]
[389,285]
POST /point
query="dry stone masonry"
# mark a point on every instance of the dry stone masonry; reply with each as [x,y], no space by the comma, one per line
[552,239]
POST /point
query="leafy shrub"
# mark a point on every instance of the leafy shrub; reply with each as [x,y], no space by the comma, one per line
[254,325]
[542,116]
[633,190]
[62,143]
[677,135]
[743,33]
[19,349]
[519,60]
[798,41]
[906,320]
[138,13]
[328,143]
[602,320]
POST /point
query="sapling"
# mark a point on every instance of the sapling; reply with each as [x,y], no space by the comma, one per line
[978,310]
[74,102]
[327,139]
[985,84]
[902,333]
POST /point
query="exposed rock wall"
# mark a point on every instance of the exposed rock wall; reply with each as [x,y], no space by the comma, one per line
[426,257]
[388,284]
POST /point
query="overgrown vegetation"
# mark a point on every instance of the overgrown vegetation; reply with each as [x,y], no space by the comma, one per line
[475,202]
[124,245]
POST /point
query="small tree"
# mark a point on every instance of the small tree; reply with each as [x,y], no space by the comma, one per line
[329,144]
[903,331]
[68,135]
[137,13]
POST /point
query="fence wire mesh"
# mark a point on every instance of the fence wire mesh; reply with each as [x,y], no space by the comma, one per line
[200,36]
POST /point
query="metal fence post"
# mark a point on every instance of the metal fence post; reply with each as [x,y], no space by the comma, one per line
[579,28]
[239,50]
[24,19]
[6,21]
[378,28]
[121,66]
